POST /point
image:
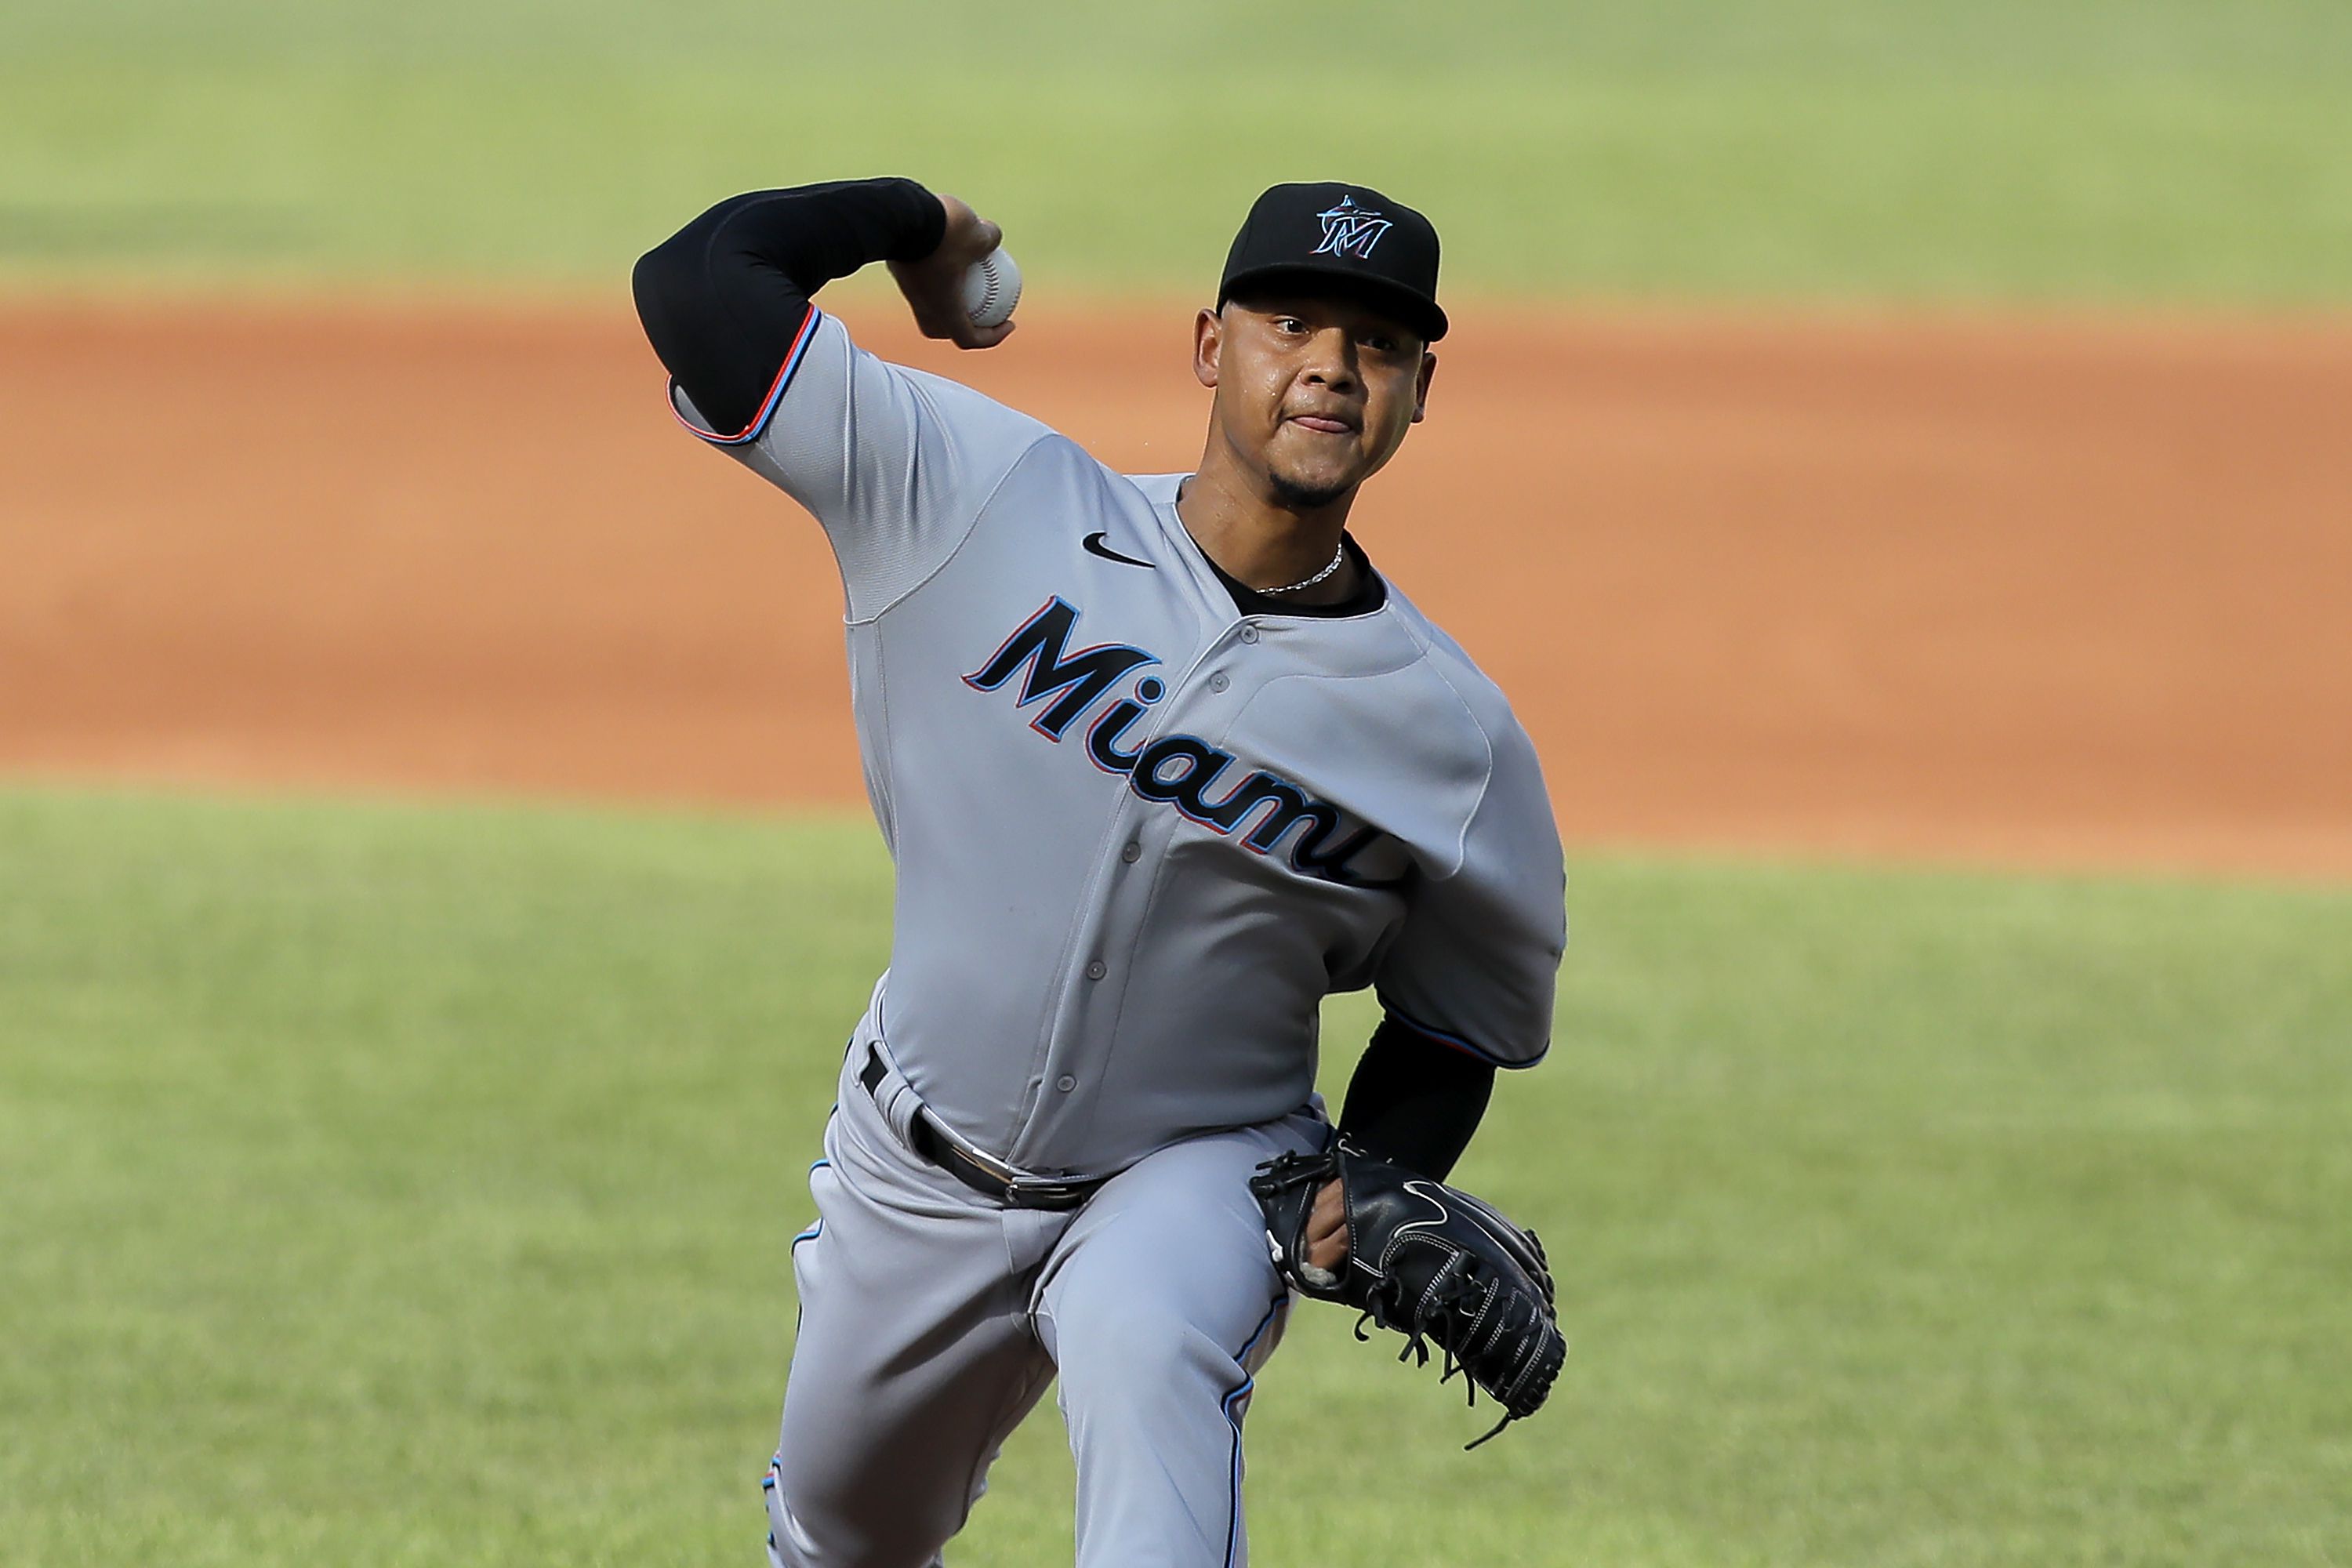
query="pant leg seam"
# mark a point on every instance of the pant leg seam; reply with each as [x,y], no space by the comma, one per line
[1249,1380]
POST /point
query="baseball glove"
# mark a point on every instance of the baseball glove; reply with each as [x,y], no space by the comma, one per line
[1429,1261]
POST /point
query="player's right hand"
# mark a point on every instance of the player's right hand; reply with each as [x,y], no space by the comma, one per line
[934,286]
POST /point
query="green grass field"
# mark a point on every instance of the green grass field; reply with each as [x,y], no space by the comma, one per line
[2164,150]
[413,1185]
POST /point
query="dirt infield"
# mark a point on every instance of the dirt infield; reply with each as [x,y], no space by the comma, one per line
[2017,592]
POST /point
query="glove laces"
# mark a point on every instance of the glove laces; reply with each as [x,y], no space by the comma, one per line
[1455,1297]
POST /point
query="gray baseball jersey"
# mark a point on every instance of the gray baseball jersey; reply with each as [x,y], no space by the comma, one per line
[1139,834]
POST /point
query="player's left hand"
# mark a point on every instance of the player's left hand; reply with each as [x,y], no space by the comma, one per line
[1429,1261]
[934,286]
[1327,1229]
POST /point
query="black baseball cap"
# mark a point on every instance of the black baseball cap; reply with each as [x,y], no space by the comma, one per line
[1349,238]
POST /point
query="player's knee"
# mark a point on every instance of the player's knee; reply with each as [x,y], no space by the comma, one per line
[1133,1356]
[822,1519]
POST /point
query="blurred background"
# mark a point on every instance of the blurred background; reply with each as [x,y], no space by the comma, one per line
[1896,455]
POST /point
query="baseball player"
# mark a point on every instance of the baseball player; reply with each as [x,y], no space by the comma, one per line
[1162,761]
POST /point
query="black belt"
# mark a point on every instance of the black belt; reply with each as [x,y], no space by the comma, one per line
[1007,1186]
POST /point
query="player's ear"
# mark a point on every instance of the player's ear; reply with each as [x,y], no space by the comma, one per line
[1421,386]
[1208,344]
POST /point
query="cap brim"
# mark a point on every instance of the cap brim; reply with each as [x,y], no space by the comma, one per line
[1410,309]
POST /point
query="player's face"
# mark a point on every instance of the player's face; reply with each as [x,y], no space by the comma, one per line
[1314,393]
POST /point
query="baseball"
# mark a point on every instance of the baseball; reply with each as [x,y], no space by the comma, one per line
[992,287]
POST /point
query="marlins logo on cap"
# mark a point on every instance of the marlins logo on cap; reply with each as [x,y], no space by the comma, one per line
[1341,239]
[1350,230]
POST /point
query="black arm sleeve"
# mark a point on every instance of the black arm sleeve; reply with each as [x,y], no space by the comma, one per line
[723,298]
[1415,1101]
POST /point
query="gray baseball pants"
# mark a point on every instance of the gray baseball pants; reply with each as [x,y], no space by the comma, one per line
[932,1318]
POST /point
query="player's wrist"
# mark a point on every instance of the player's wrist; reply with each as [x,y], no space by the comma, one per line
[926,229]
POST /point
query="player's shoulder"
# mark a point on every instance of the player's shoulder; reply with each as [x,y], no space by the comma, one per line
[1512,798]
[1481,700]
[1390,703]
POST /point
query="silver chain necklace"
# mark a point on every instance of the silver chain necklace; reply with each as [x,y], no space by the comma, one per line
[1339,557]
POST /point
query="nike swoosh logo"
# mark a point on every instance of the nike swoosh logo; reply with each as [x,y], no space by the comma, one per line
[1094,545]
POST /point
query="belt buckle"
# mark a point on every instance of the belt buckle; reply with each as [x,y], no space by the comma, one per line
[1009,1184]
[1031,1192]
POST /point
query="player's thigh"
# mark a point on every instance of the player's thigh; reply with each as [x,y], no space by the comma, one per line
[912,1360]
[1168,1265]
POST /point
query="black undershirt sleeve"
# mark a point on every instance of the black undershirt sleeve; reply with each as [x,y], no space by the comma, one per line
[1415,1101]
[723,298]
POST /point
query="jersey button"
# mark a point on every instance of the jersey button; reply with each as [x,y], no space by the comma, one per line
[1132,853]
[1066,1083]
[1096,970]
[1218,682]
[1249,634]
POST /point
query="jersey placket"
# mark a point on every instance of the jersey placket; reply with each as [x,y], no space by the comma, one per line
[1093,983]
